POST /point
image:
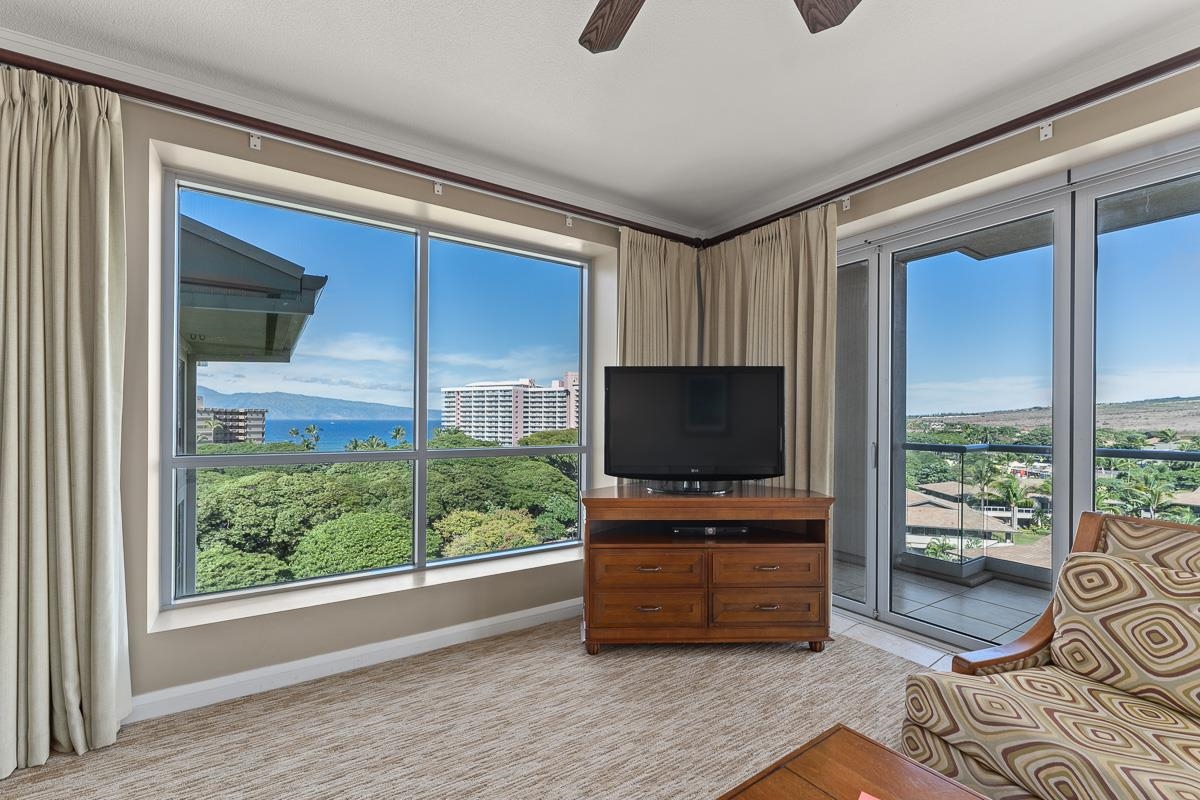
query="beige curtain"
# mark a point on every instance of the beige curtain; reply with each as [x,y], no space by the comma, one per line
[659,313]
[770,298]
[64,675]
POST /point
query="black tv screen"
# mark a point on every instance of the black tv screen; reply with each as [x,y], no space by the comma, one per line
[693,423]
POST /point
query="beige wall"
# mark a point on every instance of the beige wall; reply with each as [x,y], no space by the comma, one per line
[1151,113]
[155,139]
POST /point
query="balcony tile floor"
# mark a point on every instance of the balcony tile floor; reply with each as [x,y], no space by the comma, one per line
[997,611]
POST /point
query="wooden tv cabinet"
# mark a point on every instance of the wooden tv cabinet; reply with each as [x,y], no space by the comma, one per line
[644,583]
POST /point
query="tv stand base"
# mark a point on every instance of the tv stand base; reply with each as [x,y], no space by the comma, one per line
[690,487]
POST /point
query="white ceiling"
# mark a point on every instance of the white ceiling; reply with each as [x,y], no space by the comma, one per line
[711,113]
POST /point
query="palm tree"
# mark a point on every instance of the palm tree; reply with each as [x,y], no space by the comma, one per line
[309,438]
[981,469]
[1009,490]
[1168,435]
[1152,493]
[373,442]
[211,425]
[399,435]
[1108,499]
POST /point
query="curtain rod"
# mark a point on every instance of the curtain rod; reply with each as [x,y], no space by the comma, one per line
[173,102]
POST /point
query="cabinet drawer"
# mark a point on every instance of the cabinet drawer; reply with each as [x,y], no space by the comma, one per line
[658,568]
[767,606]
[769,567]
[622,609]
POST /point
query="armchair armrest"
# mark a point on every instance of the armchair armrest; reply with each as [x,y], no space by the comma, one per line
[1028,651]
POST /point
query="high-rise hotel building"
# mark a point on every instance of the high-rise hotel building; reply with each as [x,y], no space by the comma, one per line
[505,411]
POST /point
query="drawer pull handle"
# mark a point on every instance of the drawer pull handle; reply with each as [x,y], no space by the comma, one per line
[767,567]
[647,569]
[761,607]
[649,609]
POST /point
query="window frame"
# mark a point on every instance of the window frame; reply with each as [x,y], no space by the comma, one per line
[176,575]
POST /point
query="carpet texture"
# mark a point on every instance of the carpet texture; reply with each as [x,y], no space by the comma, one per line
[525,715]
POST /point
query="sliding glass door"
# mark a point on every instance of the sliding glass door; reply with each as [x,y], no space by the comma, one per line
[853,517]
[971,526]
[1025,360]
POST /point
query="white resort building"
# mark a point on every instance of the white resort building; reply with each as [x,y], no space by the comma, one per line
[506,411]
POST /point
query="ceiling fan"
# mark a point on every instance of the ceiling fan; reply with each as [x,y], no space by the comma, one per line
[611,20]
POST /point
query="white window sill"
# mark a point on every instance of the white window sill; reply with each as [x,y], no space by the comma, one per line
[207,612]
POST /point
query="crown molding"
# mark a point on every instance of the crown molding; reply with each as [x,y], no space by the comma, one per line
[377,141]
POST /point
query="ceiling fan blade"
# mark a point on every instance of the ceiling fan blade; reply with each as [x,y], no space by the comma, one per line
[609,24]
[822,14]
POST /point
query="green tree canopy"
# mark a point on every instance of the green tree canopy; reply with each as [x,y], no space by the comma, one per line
[353,542]
[467,533]
[566,463]
[221,567]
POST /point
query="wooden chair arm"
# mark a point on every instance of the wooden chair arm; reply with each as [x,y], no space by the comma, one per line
[1031,642]
[1088,539]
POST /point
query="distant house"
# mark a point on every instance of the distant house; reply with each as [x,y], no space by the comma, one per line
[927,515]
[975,496]
[1190,499]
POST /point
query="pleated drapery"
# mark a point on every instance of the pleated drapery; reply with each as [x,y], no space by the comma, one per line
[659,312]
[64,664]
[770,299]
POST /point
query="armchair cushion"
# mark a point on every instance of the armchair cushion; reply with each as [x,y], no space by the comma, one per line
[1170,546]
[1130,625]
[1056,735]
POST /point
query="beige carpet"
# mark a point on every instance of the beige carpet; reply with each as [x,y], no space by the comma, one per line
[526,715]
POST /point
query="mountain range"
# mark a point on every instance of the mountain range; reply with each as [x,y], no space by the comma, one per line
[285,405]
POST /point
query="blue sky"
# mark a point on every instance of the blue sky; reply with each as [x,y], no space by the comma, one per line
[979,332]
[493,315]
[980,337]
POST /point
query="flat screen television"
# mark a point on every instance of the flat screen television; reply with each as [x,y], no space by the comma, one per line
[693,424]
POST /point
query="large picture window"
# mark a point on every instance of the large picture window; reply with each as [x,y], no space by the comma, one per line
[351,395]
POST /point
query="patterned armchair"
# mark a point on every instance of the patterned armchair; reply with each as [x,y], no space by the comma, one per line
[1100,700]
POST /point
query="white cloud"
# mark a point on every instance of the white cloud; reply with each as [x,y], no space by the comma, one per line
[982,394]
[319,377]
[356,347]
[360,367]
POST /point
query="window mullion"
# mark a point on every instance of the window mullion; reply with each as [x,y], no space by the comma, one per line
[420,401]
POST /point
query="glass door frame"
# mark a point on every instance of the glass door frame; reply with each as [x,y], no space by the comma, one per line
[848,257]
[957,221]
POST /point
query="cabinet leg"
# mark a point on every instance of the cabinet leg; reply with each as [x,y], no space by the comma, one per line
[593,648]
[816,646]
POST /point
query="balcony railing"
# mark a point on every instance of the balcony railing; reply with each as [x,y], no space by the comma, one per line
[970,506]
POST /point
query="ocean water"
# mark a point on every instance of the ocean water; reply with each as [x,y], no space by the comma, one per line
[336,433]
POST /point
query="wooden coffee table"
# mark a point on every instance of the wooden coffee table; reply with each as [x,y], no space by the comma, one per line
[842,764]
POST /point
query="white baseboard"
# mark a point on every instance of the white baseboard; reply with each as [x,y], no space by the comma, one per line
[227,687]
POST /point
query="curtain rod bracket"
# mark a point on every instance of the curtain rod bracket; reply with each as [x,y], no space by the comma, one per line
[1046,131]
[846,203]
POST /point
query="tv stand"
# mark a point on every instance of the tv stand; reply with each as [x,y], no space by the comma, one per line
[689,487]
[644,583]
